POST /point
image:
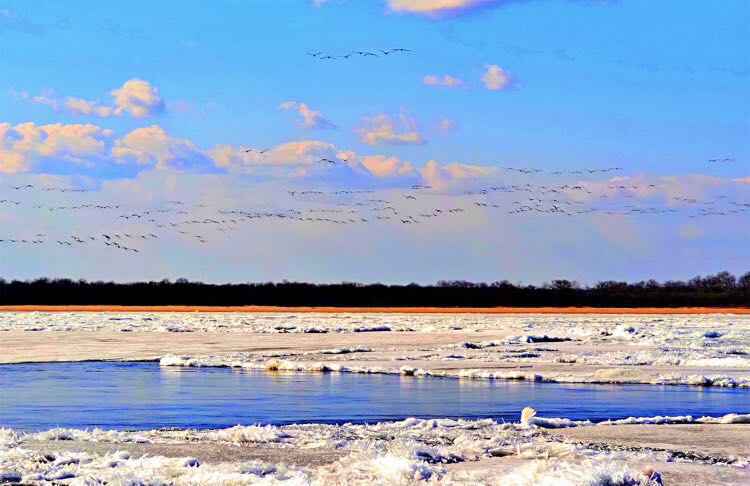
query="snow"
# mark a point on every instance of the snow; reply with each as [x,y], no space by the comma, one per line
[410,452]
[702,350]
[695,350]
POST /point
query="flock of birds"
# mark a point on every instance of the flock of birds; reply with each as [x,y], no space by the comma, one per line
[721,160]
[130,229]
[324,56]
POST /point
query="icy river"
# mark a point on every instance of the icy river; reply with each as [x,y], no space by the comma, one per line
[144,395]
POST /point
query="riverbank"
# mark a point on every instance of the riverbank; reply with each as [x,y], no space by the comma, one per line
[699,349]
[704,350]
[410,452]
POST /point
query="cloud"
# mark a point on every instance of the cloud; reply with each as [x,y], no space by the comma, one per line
[383,129]
[447,8]
[310,117]
[384,166]
[135,97]
[295,154]
[90,108]
[496,78]
[439,7]
[47,98]
[446,125]
[152,146]
[24,145]
[433,173]
[441,176]
[138,98]
[12,161]
[478,240]
[446,81]
[347,156]
[674,189]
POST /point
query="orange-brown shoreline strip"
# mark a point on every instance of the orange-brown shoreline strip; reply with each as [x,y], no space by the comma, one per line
[378,310]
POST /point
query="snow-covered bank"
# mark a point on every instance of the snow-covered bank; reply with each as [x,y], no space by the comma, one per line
[605,377]
[704,350]
[408,452]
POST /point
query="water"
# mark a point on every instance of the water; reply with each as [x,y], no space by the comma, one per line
[147,396]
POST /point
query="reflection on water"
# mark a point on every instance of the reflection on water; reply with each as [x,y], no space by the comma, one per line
[145,396]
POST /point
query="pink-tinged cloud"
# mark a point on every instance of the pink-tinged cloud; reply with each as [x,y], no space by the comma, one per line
[384,166]
[349,157]
[448,8]
[23,145]
[496,78]
[309,117]
[442,176]
[445,81]
[290,155]
[437,7]
[153,146]
[138,98]
[387,130]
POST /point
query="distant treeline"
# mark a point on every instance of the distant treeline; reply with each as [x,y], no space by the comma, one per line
[720,290]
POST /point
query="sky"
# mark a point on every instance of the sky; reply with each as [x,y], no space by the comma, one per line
[329,140]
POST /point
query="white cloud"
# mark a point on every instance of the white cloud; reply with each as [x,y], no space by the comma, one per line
[154,146]
[310,117]
[135,97]
[674,189]
[445,81]
[384,129]
[496,78]
[47,98]
[138,98]
[90,108]
[23,145]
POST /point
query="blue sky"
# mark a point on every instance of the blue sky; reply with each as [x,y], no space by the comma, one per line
[655,88]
